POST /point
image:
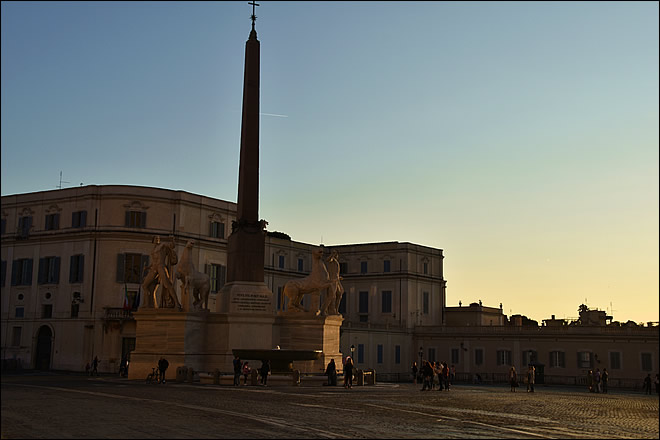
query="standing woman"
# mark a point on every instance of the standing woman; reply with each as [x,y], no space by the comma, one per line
[348,373]
[513,379]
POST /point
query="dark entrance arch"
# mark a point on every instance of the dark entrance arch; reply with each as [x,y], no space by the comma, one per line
[44,347]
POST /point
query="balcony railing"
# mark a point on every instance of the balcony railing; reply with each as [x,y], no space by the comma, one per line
[117,314]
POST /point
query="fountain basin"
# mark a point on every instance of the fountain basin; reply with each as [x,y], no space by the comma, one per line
[281,360]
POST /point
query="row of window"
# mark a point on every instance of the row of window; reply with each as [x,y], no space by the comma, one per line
[52,222]
[343,267]
[47,311]
[133,219]
[49,271]
[557,358]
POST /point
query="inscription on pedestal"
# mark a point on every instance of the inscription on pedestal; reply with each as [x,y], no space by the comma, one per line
[250,302]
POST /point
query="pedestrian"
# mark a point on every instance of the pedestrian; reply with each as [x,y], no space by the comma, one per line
[348,372]
[647,384]
[123,365]
[427,376]
[237,370]
[162,367]
[95,366]
[513,379]
[246,372]
[597,380]
[604,378]
[265,371]
[590,381]
[452,375]
[445,375]
[331,372]
[438,372]
[434,374]
[414,372]
[531,373]
[87,368]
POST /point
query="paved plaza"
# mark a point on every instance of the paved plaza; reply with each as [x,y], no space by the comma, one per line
[72,406]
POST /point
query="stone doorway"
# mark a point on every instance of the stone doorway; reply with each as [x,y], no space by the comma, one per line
[44,348]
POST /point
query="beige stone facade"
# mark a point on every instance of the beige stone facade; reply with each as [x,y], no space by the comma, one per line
[69,256]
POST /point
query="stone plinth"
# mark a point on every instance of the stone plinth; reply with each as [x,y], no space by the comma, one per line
[307,331]
[179,337]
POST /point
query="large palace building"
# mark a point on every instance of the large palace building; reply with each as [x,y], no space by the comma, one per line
[73,261]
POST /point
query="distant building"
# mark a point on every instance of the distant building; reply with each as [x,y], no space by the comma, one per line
[73,260]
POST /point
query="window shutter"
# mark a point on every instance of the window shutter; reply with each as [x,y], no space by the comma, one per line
[28,279]
[56,221]
[56,280]
[143,219]
[120,267]
[71,268]
[80,276]
[43,271]
[562,359]
[83,219]
[144,263]
[222,277]
[127,221]
[14,273]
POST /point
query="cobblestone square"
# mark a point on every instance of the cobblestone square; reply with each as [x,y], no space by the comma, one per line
[74,406]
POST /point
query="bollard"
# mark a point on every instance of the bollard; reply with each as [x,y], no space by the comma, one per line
[181,374]
[190,374]
[216,377]
[296,377]
[359,376]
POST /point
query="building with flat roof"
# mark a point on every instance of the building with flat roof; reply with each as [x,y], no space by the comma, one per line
[73,261]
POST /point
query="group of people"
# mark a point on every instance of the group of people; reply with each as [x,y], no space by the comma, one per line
[243,368]
[432,370]
[597,381]
[530,378]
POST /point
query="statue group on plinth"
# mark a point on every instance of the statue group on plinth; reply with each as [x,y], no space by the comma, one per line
[165,269]
[323,278]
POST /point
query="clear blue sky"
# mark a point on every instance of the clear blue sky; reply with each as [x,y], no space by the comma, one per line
[520,138]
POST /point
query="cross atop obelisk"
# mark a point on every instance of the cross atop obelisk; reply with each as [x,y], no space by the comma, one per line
[253,17]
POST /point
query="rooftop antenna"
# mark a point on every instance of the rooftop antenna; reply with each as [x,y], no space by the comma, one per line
[61,181]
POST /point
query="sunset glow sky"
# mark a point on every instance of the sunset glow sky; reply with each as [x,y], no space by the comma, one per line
[520,138]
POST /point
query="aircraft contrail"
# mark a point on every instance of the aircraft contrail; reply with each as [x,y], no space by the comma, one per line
[273,114]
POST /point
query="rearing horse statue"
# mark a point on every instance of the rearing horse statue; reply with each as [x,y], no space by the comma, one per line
[315,282]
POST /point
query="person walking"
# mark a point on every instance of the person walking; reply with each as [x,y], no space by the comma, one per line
[427,376]
[348,372]
[265,370]
[590,381]
[162,367]
[331,372]
[414,372]
[531,373]
[647,384]
[513,379]
[95,366]
[237,371]
[597,380]
[604,378]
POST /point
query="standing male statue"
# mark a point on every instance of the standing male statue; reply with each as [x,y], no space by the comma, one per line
[161,273]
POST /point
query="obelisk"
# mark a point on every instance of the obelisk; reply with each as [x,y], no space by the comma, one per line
[245,291]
